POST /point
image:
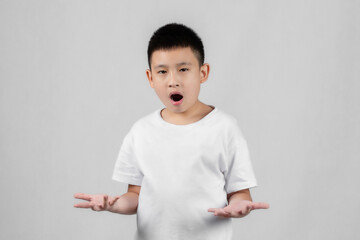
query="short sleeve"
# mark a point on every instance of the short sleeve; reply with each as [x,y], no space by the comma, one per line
[239,173]
[126,168]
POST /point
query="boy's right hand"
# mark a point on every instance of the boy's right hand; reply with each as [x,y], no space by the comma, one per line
[99,202]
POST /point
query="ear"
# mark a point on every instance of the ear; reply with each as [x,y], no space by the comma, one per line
[204,72]
[149,76]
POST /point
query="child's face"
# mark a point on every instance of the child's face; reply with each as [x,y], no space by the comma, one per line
[177,70]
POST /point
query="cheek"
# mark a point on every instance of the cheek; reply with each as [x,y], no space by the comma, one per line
[193,90]
[159,83]
[160,89]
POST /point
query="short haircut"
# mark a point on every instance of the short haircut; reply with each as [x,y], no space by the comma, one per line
[175,35]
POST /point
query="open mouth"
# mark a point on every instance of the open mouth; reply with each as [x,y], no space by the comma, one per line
[176,97]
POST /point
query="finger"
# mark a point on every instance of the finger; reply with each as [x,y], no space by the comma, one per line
[225,213]
[94,206]
[82,205]
[260,205]
[218,212]
[242,212]
[82,196]
[113,200]
[221,213]
[212,209]
[227,209]
[101,205]
[104,202]
[97,207]
[248,209]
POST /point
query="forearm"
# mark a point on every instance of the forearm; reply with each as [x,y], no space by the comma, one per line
[239,196]
[126,204]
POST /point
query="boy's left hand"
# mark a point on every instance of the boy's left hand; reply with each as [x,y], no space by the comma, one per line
[238,209]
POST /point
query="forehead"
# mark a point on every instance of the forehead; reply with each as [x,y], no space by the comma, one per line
[173,56]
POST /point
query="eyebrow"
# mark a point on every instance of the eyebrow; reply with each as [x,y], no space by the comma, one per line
[178,64]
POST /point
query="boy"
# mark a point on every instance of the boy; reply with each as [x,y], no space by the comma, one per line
[187,165]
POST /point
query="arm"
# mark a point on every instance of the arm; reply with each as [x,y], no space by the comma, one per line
[127,203]
[124,204]
[238,196]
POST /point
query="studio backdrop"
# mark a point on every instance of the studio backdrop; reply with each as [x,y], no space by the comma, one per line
[72,82]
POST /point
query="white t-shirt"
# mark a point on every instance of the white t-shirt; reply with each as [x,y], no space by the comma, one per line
[183,171]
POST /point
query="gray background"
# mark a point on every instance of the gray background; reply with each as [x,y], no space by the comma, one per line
[73,81]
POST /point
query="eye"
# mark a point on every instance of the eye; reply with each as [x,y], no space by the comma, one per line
[184,69]
[161,72]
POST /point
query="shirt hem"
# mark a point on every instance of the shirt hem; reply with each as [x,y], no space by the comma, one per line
[240,186]
[126,180]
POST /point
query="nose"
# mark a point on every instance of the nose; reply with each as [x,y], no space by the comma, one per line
[176,84]
[172,80]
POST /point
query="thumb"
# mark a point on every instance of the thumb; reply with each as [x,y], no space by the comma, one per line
[260,205]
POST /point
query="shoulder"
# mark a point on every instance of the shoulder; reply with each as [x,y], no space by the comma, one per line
[229,124]
[143,123]
[227,120]
[226,117]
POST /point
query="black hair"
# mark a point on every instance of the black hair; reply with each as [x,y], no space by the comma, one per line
[174,35]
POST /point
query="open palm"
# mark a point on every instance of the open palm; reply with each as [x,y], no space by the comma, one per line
[238,209]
